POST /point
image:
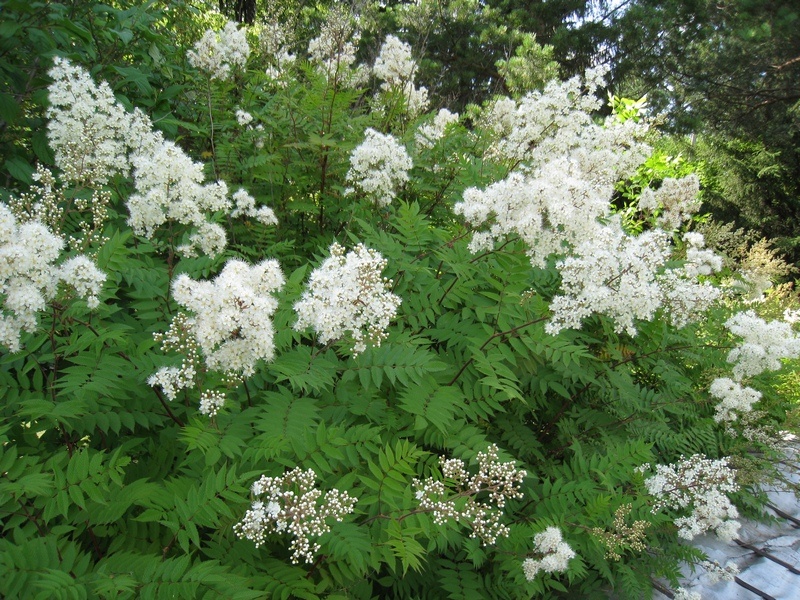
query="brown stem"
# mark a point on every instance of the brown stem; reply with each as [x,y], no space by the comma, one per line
[493,337]
[166,407]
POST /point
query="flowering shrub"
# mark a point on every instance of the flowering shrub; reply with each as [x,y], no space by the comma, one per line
[411,355]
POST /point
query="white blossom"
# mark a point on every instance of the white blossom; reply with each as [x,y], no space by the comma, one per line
[427,135]
[291,504]
[82,274]
[243,117]
[88,129]
[231,314]
[735,399]
[94,138]
[30,277]
[684,594]
[217,53]
[379,166]
[334,50]
[717,572]
[675,201]
[245,205]
[611,274]
[763,346]
[347,295]
[210,402]
[698,485]
[396,67]
[554,553]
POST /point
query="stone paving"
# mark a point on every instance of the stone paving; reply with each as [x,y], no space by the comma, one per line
[760,577]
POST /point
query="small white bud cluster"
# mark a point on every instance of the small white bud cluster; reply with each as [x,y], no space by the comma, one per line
[29,277]
[291,504]
[346,294]
[210,402]
[456,498]
[245,205]
[396,68]
[378,167]
[554,551]
[735,399]
[231,321]
[674,202]
[764,344]
[245,120]
[699,484]
[428,134]
[217,53]
[699,259]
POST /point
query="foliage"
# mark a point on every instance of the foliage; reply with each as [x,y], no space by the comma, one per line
[110,489]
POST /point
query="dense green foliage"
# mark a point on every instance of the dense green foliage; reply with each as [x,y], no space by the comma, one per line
[109,490]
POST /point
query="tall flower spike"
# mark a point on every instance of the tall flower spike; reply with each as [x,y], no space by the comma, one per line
[347,295]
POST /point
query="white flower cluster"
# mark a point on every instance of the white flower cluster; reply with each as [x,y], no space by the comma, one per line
[558,203]
[555,554]
[88,129]
[346,294]
[494,480]
[396,68]
[674,202]
[699,259]
[210,402]
[276,39]
[699,484]
[243,117]
[612,274]
[394,65]
[427,135]
[684,594]
[559,121]
[716,572]
[334,50]
[94,138]
[179,337]
[735,399]
[231,321]
[291,504]
[29,277]
[378,167]
[246,206]
[763,344]
[217,53]
[169,187]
